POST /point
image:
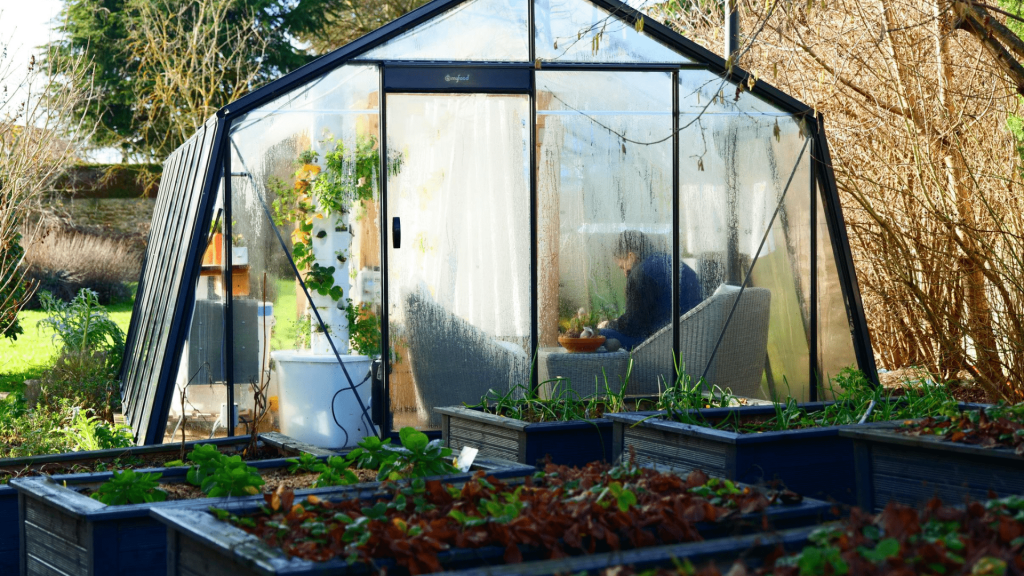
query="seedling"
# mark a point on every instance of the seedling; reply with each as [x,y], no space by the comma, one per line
[130,487]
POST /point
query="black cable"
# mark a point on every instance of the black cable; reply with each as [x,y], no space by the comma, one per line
[335,397]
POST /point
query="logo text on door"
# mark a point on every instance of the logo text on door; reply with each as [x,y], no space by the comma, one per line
[456,78]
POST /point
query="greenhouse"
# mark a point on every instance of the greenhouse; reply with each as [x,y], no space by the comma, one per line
[457,192]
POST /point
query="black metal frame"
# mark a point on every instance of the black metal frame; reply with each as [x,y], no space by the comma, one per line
[218,160]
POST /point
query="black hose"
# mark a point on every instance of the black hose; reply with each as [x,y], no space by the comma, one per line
[354,391]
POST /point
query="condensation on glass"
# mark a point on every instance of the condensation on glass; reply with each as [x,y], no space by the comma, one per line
[579,31]
[745,186]
[604,174]
[200,386]
[459,279]
[477,30]
[835,337]
[323,134]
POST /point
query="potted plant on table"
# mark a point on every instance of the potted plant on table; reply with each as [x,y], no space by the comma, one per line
[579,333]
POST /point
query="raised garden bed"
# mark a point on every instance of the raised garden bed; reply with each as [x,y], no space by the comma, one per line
[74,463]
[401,538]
[68,531]
[573,443]
[815,461]
[721,552]
[891,466]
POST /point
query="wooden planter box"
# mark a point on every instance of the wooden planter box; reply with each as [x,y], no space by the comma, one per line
[913,469]
[815,462]
[9,525]
[571,443]
[198,543]
[75,535]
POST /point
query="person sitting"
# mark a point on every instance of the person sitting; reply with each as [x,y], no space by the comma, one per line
[648,290]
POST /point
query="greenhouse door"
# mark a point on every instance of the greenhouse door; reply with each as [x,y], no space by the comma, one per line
[458,250]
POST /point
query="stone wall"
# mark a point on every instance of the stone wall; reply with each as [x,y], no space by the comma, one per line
[108,216]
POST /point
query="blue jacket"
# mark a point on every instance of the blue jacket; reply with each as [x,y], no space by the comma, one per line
[649,295]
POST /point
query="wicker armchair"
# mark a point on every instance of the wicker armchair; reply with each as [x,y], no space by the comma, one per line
[740,359]
[453,361]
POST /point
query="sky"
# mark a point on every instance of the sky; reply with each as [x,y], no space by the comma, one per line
[26,25]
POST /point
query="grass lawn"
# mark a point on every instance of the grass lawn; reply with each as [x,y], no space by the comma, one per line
[34,351]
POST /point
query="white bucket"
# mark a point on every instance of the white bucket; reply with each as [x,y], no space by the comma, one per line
[309,386]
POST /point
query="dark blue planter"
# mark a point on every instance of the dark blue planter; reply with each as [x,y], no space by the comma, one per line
[723,552]
[815,462]
[10,527]
[198,543]
[913,469]
[572,443]
[79,536]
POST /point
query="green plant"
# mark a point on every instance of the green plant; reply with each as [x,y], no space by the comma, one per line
[564,403]
[130,487]
[370,453]
[205,458]
[90,433]
[320,279]
[335,473]
[232,477]
[304,463]
[416,458]
[83,326]
[348,176]
[85,380]
[219,475]
[363,329]
[30,432]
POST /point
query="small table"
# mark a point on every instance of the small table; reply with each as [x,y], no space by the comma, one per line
[586,372]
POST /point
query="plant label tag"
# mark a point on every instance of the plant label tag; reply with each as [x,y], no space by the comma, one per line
[466,458]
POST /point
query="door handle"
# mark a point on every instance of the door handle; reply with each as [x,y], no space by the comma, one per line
[396,232]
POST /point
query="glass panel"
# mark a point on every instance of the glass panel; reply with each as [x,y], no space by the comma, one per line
[835,338]
[733,171]
[477,30]
[605,208]
[306,174]
[704,92]
[459,284]
[200,384]
[579,31]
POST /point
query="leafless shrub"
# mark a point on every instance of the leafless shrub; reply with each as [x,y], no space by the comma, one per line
[39,138]
[930,178]
[64,262]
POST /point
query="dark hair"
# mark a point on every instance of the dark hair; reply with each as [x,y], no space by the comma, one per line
[632,241]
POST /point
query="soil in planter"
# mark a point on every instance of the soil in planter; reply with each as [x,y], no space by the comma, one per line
[276,479]
[562,511]
[979,539]
[999,426]
[137,461]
